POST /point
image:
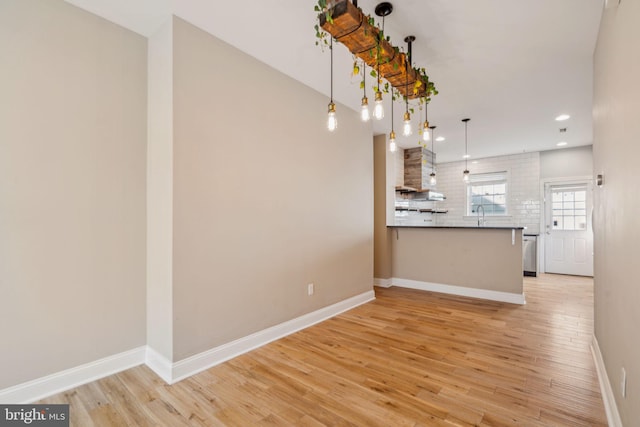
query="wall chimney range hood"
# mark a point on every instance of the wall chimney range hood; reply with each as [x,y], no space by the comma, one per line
[416,175]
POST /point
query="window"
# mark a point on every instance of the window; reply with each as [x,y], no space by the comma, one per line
[569,206]
[488,190]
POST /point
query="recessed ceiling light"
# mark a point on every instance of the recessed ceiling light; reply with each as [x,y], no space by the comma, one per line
[440,138]
[475,162]
[562,144]
[563,117]
[466,156]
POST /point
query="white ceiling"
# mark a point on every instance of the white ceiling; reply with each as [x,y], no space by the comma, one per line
[511,66]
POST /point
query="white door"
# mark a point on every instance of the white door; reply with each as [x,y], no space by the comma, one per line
[569,236]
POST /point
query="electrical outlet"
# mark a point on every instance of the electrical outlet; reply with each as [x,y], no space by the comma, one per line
[310,289]
[623,383]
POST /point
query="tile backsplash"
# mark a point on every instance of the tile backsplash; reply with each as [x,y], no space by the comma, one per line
[523,199]
[398,159]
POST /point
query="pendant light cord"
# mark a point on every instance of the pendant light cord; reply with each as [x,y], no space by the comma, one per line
[380,35]
[364,77]
[392,110]
[331,49]
[433,149]
[406,89]
[466,152]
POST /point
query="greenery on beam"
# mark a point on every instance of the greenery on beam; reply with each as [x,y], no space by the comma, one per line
[322,37]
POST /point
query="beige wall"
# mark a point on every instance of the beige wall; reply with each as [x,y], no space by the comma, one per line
[570,162]
[160,191]
[617,205]
[472,258]
[381,245]
[72,189]
[265,199]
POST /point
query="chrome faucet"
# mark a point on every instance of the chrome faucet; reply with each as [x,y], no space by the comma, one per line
[480,221]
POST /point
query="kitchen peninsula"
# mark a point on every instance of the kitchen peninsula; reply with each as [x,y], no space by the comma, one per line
[414,249]
[482,262]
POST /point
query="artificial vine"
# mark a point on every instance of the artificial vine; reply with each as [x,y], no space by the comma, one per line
[321,35]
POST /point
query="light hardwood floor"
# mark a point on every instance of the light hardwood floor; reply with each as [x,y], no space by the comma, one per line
[410,358]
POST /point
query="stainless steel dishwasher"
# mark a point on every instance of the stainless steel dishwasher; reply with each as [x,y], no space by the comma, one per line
[530,254]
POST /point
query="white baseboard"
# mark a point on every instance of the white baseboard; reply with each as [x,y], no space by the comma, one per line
[41,388]
[59,382]
[609,400]
[383,283]
[207,359]
[159,364]
[460,291]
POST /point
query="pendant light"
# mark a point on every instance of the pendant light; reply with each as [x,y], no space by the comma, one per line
[332,120]
[378,109]
[465,174]
[432,176]
[406,129]
[425,128]
[364,113]
[392,136]
[383,9]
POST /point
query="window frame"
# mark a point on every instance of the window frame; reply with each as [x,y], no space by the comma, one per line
[488,178]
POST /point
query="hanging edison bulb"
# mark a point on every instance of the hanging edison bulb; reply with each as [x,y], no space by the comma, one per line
[425,132]
[332,120]
[378,109]
[364,112]
[406,128]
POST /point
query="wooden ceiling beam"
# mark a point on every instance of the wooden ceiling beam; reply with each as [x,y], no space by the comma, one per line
[352,28]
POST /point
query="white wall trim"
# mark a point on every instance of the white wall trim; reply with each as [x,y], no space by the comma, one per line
[59,382]
[609,400]
[158,364]
[383,283]
[207,359]
[460,291]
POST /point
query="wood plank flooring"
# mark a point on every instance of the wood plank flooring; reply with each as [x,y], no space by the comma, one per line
[410,358]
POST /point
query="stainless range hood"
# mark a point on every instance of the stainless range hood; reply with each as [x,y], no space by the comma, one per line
[434,196]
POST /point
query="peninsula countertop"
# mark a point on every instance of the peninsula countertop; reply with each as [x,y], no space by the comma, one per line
[463,227]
